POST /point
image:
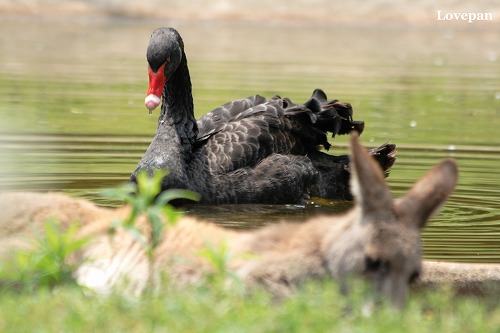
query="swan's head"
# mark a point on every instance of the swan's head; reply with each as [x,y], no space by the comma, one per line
[164,55]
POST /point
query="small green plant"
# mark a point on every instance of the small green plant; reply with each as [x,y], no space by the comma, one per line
[45,264]
[145,199]
[222,278]
[218,258]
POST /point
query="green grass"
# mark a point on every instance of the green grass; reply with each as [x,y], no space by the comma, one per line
[317,307]
[46,264]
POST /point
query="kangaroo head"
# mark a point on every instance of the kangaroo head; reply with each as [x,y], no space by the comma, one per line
[391,249]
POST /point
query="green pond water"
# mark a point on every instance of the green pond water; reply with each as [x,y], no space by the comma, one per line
[72,117]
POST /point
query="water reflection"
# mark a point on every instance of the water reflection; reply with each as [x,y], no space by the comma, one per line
[72,119]
[251,216]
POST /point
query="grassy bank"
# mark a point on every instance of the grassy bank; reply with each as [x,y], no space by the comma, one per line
[315,308]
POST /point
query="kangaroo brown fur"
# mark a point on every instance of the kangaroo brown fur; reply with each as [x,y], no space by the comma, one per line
[379,238]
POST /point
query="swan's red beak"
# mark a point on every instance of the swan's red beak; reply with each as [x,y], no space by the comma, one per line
[156,83]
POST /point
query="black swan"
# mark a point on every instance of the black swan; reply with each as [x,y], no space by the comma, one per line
[251,150]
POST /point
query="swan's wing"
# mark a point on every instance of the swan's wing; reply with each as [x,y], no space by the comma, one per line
[243,132]
[215,120]
[247,136]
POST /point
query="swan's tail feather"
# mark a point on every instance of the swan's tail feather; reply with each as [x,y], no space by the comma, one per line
[385,155]
[336,117]
[333,116]
[335,171]
[325,116]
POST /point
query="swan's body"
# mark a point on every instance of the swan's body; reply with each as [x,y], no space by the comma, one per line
[248,150]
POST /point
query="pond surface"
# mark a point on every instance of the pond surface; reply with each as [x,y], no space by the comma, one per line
[72,117]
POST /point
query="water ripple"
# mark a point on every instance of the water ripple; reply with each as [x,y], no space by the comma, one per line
[467,229]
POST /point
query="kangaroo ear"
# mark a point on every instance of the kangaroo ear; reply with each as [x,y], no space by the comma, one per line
[427,196]
[367,181]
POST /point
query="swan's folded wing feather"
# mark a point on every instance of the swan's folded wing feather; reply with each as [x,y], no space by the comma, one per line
[248,137]
[215,120]
[243,132]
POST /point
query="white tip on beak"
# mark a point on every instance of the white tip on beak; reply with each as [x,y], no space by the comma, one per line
[151,102]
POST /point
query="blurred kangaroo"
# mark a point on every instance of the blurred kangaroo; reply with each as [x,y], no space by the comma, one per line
[379,238]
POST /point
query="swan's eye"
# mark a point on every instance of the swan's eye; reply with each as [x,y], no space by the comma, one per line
[168,59]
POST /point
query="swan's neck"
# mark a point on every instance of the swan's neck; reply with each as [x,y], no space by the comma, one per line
[172,146]
[177,111]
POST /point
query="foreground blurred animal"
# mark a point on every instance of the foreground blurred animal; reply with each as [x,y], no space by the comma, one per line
[378,239]
[251,150]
